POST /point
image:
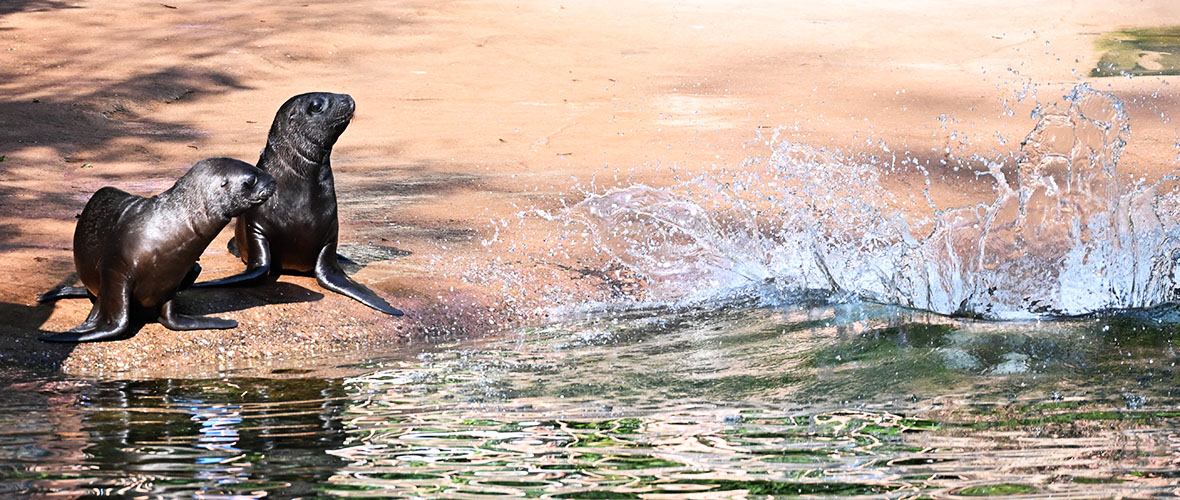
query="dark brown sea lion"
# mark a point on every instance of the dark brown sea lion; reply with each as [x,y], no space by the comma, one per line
[134,253]
[297,230]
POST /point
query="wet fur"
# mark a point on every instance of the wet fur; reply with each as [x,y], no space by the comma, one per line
[133,254]
[297,229]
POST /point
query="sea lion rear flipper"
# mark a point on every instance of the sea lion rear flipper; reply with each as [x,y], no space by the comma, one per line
[180,322]
[65,292]
[109,319]
[330,276]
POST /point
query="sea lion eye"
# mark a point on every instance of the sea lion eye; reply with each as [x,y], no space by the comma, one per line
[316,106]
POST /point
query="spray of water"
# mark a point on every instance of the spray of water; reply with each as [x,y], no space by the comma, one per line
[1066,238]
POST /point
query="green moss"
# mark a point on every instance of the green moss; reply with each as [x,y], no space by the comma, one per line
[919,424]
[1136,416]
[598,440]
[1063,405]
[884,344]
[797,457]
[598,494]
[346,487]
[517,484]
[481,422]
[1139,52]
[254,486]
[791,488]
[1095,480]
[638,462]
[624,425]
[402,476]
[993,490]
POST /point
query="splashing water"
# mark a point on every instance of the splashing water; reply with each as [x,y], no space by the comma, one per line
[1067,239]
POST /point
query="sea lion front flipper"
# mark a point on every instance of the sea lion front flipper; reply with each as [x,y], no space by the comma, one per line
[173,320]
[109,319]
[257,270]
[330,276]
[181,322]
[65,292]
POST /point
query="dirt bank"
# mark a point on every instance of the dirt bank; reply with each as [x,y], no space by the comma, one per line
[472,112]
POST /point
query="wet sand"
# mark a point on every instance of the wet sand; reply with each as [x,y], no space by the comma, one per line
[470,113]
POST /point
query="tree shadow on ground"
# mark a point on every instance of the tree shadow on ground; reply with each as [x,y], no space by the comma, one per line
[91,122]
[14,6]
[84,130]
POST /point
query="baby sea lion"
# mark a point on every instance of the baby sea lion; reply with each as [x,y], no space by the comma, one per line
[297,229]
[134,253]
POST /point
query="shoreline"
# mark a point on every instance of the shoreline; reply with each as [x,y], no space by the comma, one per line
[472,113]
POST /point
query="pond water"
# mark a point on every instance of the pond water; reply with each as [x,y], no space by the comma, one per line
[804,324]
[856,400]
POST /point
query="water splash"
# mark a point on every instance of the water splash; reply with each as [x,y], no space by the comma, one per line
[1066,238]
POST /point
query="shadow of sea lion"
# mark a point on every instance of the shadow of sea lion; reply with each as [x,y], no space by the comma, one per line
[27,320]
[352,258]
[207,301]
[20,326]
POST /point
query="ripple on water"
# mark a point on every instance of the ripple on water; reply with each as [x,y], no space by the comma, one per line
[852,400]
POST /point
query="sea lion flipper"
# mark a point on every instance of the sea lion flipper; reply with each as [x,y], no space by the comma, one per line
[65,292]
[256,271]
[109,319]
[249,277]
[180,322]
[232,247]
[330,276]
[173,320]
[190,278]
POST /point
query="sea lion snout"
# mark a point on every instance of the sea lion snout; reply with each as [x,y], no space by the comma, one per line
[339,108]
[347,103]
[241,185]
[262,187]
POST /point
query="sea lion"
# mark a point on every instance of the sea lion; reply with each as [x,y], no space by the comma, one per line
[134,253]
[297,229]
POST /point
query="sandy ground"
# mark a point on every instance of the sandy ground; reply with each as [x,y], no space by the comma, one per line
[472,112]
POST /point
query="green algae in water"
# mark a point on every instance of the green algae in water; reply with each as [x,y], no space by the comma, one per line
[995,490]
[1096,480]
[794,488]
[411,430]
[1139,52]
[596,495]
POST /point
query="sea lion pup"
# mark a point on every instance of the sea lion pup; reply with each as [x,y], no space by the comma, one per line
[134,253]
[297,230]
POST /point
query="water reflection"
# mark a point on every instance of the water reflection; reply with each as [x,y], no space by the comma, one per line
[860,401]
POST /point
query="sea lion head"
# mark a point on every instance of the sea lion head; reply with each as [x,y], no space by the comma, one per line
[315,119]
[230,186]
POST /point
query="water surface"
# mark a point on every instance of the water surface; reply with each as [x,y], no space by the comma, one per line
[726,402]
